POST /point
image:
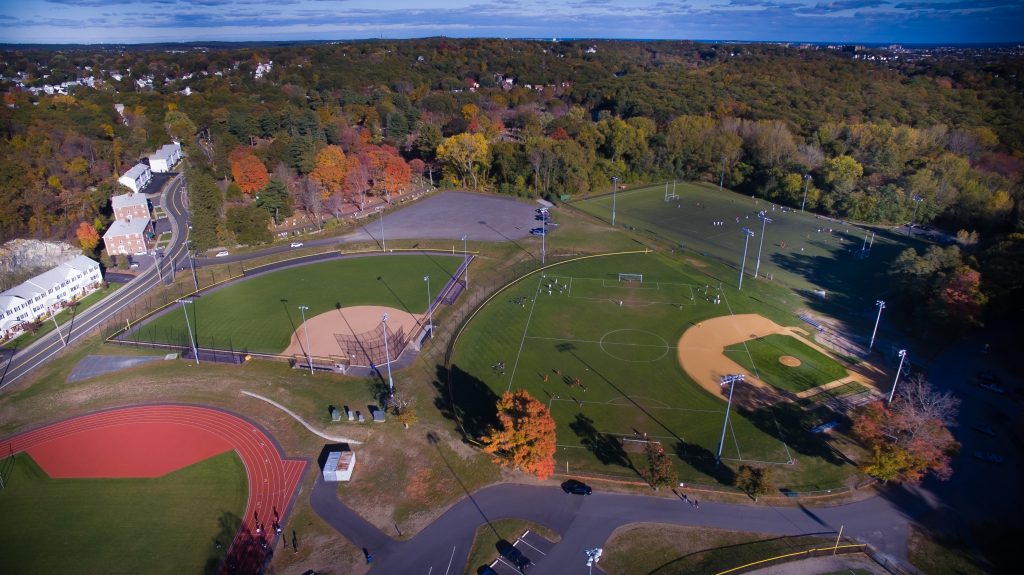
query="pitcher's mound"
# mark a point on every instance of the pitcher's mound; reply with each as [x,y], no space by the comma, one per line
[789,361]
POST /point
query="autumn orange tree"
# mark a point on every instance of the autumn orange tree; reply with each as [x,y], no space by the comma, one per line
[331,168]
[909,438]
[525,435]
[248,171]
[659,471]
[88,237]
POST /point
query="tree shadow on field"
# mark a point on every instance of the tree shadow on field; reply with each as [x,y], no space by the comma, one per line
[791,424]
[466,400]
[604,446]
[227,526]
[699,458]
[398,299]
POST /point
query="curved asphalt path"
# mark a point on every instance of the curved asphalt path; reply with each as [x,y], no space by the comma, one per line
[587,522]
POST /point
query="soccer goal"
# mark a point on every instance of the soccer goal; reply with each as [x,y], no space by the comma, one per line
[639,278]
[671,196]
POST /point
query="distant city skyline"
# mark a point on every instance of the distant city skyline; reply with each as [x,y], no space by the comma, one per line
[835,21]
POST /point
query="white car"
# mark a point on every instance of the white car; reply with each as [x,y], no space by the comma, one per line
[296,244]
[222,254]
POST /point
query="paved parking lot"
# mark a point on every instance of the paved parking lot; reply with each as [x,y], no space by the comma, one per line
[532,546]
[450,215]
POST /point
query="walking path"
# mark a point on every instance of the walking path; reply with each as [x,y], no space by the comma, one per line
[587,522]
[294,415]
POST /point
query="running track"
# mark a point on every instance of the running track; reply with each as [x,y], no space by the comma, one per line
[272,479]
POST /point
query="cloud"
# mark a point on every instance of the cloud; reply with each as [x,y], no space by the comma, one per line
[956,6]
[842,6]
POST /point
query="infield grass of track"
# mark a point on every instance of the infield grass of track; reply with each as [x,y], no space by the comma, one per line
[761,357]
[626,357]
[261,313]
[162,525]
[814,257]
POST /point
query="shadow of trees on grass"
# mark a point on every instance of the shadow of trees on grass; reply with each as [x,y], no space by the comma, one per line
[466,400]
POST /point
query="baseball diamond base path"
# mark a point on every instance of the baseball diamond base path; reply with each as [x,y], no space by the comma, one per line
[152,440]
[353,320]
[701,352]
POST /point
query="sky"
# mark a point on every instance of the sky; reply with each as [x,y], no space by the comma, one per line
[839,21]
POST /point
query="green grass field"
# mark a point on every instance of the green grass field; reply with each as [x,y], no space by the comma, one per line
[261,313]
[813,257]
[625,358]
[163,525]
[761,357]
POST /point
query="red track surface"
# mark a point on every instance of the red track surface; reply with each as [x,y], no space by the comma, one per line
[115,443]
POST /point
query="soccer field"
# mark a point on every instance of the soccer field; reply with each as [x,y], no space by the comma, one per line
[802,250]
[261,313]
[168,524]
[602,354]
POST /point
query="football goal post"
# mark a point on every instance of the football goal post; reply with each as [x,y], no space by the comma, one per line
[639,278]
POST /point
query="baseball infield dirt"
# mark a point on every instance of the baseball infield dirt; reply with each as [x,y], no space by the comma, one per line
[700,353]
[349,321]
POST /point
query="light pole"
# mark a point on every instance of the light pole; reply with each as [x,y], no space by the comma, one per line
[746,239]
[387,355]
[544,237]
[729,380]
[615,186]
[881,306]
[192,264]
[899,370]
[383,244]
[305,330]
[765,220]
[917,203]
[464,259]
[430,311]
[721,179]
[807,180]
[189,326]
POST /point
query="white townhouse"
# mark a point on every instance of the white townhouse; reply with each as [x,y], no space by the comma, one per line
[130,206]
[165,158]
[137,177]
[47,293]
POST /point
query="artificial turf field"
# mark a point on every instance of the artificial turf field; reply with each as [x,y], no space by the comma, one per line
[168,524]
[261,313]
[813,256]
[761,357]
[625,357]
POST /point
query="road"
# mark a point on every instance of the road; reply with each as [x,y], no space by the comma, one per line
[156,269]
[587,522]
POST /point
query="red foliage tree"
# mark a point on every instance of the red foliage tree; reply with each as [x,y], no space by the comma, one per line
[88,237]
[249,173]
[525,436]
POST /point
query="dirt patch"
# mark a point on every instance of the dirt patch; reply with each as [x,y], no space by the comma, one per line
[789,361]
[347,321]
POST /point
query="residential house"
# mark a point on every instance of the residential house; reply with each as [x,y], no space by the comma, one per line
[129,206]
[165,158]
[136,178]
[125,237]
[47,293]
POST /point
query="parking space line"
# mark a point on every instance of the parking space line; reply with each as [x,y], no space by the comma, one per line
[452,558]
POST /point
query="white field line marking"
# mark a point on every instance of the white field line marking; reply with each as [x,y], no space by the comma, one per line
[533,305]
[452,558]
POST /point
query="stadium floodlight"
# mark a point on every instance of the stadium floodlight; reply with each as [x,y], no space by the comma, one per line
[430,309]
[731,381]
[544,238]
[305,330]
[917,203]
[383,244]
[615,186]
[721,179]
[881,306]
[195,351]
[746,239]
[387,354]
[765,220]
[465,261]
[807,181]
[899,370]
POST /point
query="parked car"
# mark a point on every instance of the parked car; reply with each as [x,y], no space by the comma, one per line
[222,254]
[514,556]
[133,266]
[296,244]
[538,231]
[989,456]
[575,487]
